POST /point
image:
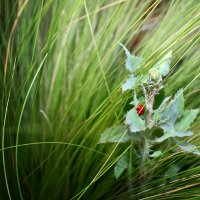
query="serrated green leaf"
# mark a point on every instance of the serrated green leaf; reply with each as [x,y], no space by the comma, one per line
[166,135]
[132,62]
[188,117]
[173,111]
[156,154]
[172,134]
[178,103]
[115,134]
[135,123]
[163,105]
[121,166]
[130,82]
[163,65]
[159,99]
[158,112]
[186,146]
[182,134]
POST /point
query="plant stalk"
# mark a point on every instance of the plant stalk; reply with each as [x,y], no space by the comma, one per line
[150,105]
[146,135]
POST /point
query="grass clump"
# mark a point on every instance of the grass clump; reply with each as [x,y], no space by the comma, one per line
[61,80]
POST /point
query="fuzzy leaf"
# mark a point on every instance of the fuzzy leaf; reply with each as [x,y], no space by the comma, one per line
[160,98]
[166,135]
[188,117]
[182,134]
[172,134]
[163,66]
[163,105]
[132,62]
[135,123]
[115,134]
[156,154]
[130,82]
[187,147]
[173,111]
[158,112]
[121,166]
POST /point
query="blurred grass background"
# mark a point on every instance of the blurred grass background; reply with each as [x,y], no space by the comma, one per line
[61,73]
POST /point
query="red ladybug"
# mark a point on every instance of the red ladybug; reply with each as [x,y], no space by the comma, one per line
[140,109]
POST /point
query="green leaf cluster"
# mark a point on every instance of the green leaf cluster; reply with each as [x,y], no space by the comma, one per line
[175,121]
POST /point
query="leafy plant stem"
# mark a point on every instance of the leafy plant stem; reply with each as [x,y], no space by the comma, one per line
[150,105]
[146,150]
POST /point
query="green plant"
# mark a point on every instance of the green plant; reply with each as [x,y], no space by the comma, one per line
[169,118]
